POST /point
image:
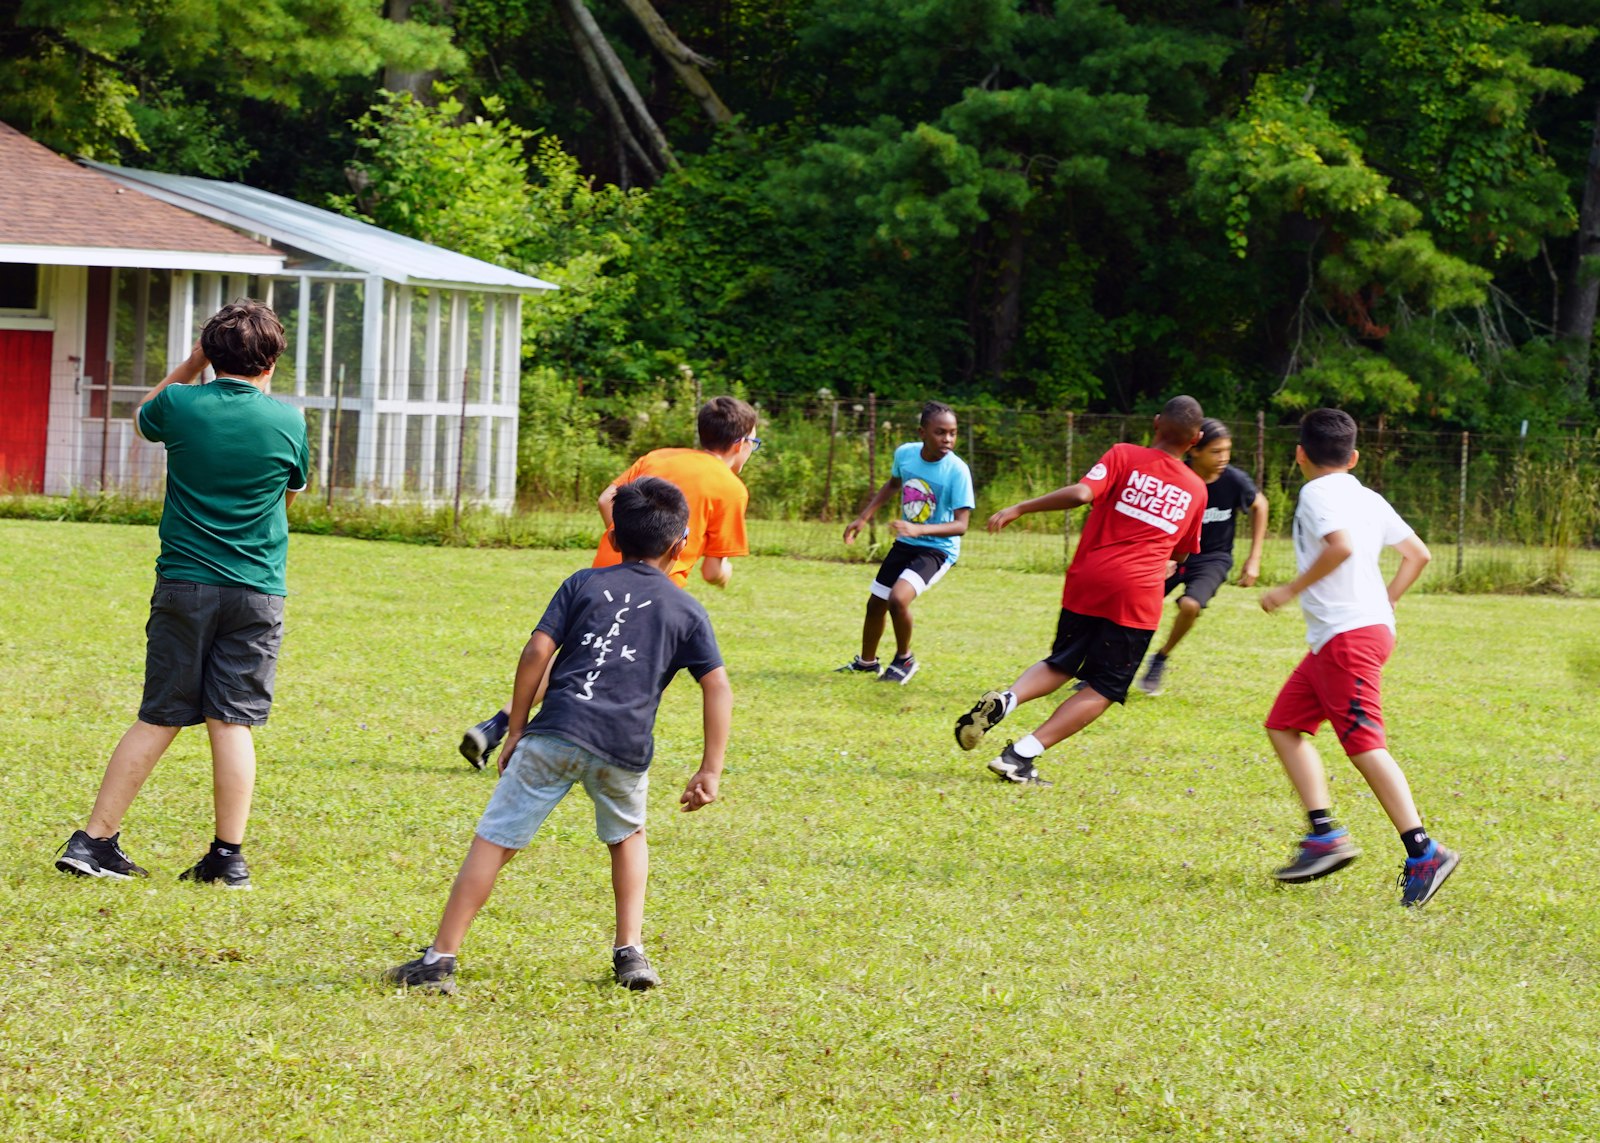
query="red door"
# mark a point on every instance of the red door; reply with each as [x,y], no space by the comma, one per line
[25,397]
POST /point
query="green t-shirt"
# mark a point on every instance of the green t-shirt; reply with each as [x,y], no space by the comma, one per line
[232,452]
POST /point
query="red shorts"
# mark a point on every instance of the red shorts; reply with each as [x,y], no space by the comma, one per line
[1342,683]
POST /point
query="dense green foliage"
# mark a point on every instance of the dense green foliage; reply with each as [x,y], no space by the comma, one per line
[1084,203]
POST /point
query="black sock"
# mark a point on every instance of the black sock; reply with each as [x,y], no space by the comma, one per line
[218,845]
[1322,823]
[1415,840]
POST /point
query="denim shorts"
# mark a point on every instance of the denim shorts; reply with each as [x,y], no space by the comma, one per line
[210,652]
[541,771]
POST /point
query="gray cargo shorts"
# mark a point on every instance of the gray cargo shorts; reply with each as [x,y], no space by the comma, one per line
[210,652]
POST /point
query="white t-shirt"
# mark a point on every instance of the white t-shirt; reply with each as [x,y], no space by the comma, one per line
[1355,594]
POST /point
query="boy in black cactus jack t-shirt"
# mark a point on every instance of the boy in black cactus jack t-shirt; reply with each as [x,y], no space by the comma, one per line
[619,634]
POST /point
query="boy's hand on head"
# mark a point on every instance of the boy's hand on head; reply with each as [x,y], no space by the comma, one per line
[1275,597]
[1003,517]
[701,790]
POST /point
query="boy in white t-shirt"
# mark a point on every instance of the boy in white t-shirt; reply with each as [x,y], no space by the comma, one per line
[1340,527]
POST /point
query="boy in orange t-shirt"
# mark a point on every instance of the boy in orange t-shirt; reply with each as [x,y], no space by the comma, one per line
[708,477]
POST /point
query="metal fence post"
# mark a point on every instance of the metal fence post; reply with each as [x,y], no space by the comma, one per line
[338,420]
[872,461]
[1261,448]
[1461,509]
[1066,517]
[827,484]
[461,449]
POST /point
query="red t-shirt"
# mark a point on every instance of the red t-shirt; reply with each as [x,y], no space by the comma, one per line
[1147,509]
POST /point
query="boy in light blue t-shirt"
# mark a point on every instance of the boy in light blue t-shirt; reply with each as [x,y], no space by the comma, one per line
[935,488]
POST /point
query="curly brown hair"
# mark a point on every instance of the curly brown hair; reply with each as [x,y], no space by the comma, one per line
[243,339]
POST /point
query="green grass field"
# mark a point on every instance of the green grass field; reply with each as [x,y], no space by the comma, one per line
[868,938]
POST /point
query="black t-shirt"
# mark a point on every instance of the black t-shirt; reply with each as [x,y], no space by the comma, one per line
[1232,491]
[623,632]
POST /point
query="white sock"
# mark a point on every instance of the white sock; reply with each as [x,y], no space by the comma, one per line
[1010,700]
[624,948]
[434,956]
[1027,747]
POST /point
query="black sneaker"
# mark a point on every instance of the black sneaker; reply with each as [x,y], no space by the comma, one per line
[858,666]
[439,976]
[988,711]
[224,865]
[1151,683]
[900,670]
[478,743]
[1013,767]
[85,856]
[1319,856]
[632,969]
[1421,877]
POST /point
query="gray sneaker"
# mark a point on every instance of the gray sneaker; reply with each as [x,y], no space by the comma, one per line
[632,969]
[1013,767]
[438,976]
[858,666]
[1151,683]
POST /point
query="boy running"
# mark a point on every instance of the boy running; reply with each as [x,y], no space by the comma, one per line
[1228,490]
[618,635]
[935,487]
[1340,527]
[1147,508]
[708,477]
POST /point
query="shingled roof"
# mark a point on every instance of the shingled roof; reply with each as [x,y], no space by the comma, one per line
[54,212]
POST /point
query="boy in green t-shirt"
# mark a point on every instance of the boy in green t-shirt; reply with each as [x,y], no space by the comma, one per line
[235,459]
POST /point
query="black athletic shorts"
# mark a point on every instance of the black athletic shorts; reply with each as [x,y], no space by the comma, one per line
[1104,654]
[1201,574]
[210,652]
[917,564]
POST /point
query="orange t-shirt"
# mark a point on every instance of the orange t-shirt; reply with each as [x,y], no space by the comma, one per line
[717,500]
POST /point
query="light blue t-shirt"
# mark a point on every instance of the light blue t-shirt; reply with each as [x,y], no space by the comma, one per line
[931,492]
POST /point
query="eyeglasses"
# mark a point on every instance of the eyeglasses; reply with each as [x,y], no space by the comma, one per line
[755,442]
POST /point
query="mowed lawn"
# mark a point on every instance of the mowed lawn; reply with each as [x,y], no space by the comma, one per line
[867,938]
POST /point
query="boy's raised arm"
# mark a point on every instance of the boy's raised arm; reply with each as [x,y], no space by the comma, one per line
[1414,556]
[530,673]
[716,703]
[1068,498]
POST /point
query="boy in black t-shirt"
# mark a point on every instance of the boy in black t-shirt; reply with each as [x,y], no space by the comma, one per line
[618,635]
[1228,490]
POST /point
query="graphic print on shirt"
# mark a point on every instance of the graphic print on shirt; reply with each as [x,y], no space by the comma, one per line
[917,501]
[1152,500]
[602,645]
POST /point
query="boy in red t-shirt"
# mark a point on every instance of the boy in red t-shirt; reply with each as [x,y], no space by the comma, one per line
[708,477]
[1147,510]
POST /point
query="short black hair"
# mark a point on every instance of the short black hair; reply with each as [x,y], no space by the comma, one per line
[723,422]
[243,339]
[1183,417]
[1328,436]
[649,515]
[931,410]
[1212,429]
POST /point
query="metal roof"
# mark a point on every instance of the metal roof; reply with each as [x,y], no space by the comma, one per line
[358,245]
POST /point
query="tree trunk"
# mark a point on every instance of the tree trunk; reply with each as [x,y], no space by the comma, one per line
[627,142]
[1576,327]
[1002,316]
[685,62]
[618,75]
[418,83]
